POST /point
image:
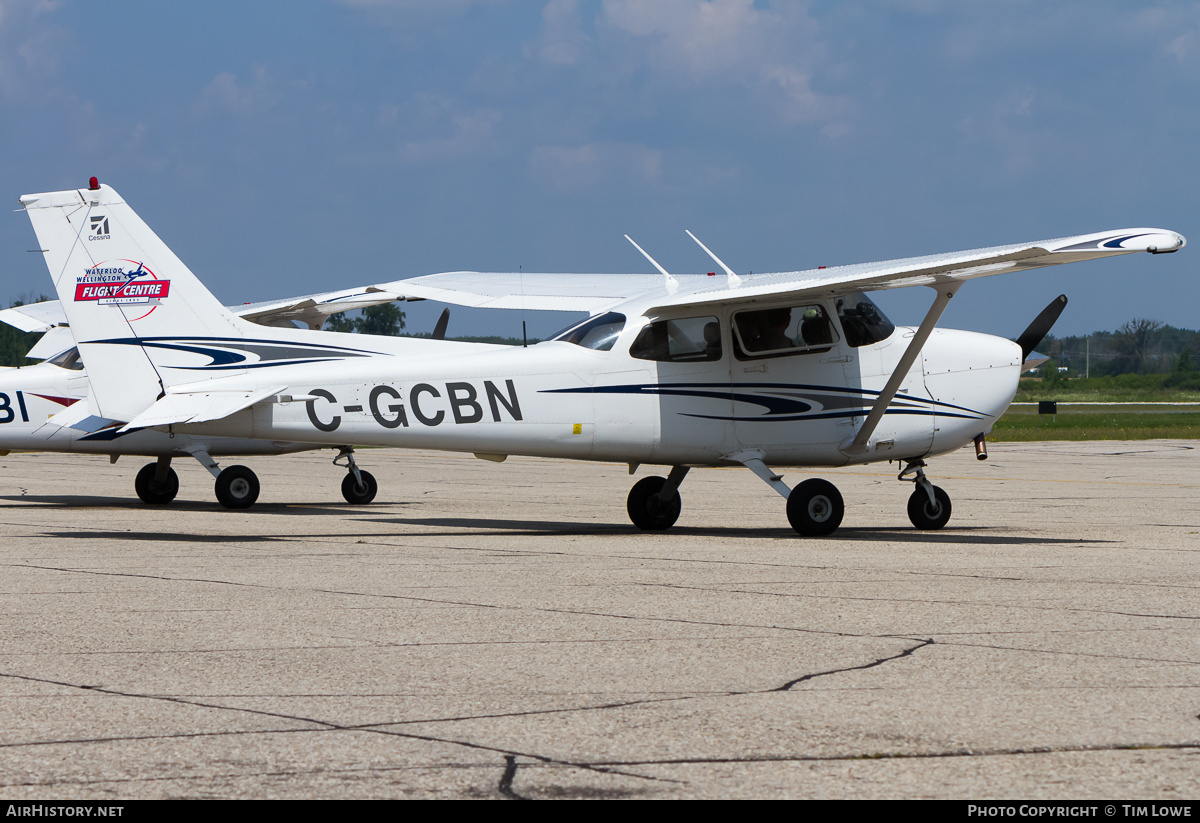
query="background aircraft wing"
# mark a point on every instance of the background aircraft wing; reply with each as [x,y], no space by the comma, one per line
[597,292]
[312,310]
[35,316]
[527,290]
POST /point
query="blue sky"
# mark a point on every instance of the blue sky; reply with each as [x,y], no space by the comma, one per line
[289,148]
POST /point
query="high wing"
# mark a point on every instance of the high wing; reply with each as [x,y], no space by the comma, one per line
[35,316]
[314,309]
[597,292]
[311,309]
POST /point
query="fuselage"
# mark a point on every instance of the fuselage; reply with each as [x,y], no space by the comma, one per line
[627,402]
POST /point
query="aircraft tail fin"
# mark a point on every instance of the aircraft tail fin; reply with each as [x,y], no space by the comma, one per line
[129,300]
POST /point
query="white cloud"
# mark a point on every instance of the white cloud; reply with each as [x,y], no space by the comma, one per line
[1182,46]
[31,47]
[773,50]
[470,132]
[225,92]
[563,41]
[573,167]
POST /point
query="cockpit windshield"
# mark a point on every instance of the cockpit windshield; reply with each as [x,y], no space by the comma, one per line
[598,333]
[862,321]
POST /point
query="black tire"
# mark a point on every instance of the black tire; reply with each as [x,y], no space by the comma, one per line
[237,488]
[924,515]
[648,512]
[815,508]
[354,493]
[156,494]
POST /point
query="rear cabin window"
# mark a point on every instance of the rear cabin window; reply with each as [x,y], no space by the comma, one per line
[782,331]
[598,333]
[693,339]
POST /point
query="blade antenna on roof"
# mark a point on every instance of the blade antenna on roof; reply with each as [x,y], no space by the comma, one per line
[733,279]
[672,283]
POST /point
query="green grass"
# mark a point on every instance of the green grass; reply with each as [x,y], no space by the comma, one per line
[1025,424]
[1126,388]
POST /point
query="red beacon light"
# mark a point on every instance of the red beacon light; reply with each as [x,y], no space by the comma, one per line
[94,184]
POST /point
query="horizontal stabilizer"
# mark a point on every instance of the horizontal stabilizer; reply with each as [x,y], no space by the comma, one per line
[198,407]
[79,416]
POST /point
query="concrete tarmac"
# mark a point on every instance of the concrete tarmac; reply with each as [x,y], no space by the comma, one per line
[500,630]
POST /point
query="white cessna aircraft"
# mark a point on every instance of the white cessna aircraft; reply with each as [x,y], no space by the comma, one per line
[767,370]
[46,407]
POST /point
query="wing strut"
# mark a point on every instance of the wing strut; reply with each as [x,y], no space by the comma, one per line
[945,291]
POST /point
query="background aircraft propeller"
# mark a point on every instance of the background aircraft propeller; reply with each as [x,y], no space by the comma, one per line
[439,328]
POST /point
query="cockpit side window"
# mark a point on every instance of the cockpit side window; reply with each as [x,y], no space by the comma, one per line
[782,330]
[68,360]
[692,339]
[862,321]
[598,333]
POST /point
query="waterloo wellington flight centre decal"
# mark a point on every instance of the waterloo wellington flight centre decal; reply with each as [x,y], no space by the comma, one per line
[120,281]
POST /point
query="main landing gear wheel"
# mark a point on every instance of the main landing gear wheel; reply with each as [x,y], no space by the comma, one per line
[815,508]
[237,488]
[153,493]
[359,493]
[925,515]
[647,511]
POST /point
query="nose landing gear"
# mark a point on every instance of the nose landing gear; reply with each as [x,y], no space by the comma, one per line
[928,505]
[358,486]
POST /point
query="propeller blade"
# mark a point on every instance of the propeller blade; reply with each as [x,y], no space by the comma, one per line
[1040,327]
[439,328]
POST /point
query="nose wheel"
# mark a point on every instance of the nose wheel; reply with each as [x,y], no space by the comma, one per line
[928,505]
[361,490]
[358,486]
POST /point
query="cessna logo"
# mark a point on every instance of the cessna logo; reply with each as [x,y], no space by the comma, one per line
[99,224]
[120,281]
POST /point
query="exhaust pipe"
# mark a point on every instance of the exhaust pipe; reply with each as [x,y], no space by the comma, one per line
[980,447]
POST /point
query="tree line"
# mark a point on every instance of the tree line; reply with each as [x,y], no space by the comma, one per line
[1140,346]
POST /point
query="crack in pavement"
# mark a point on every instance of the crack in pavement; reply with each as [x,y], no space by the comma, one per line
[325,725]
[905,653]
[614,767]
[817,758]
[938,602]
